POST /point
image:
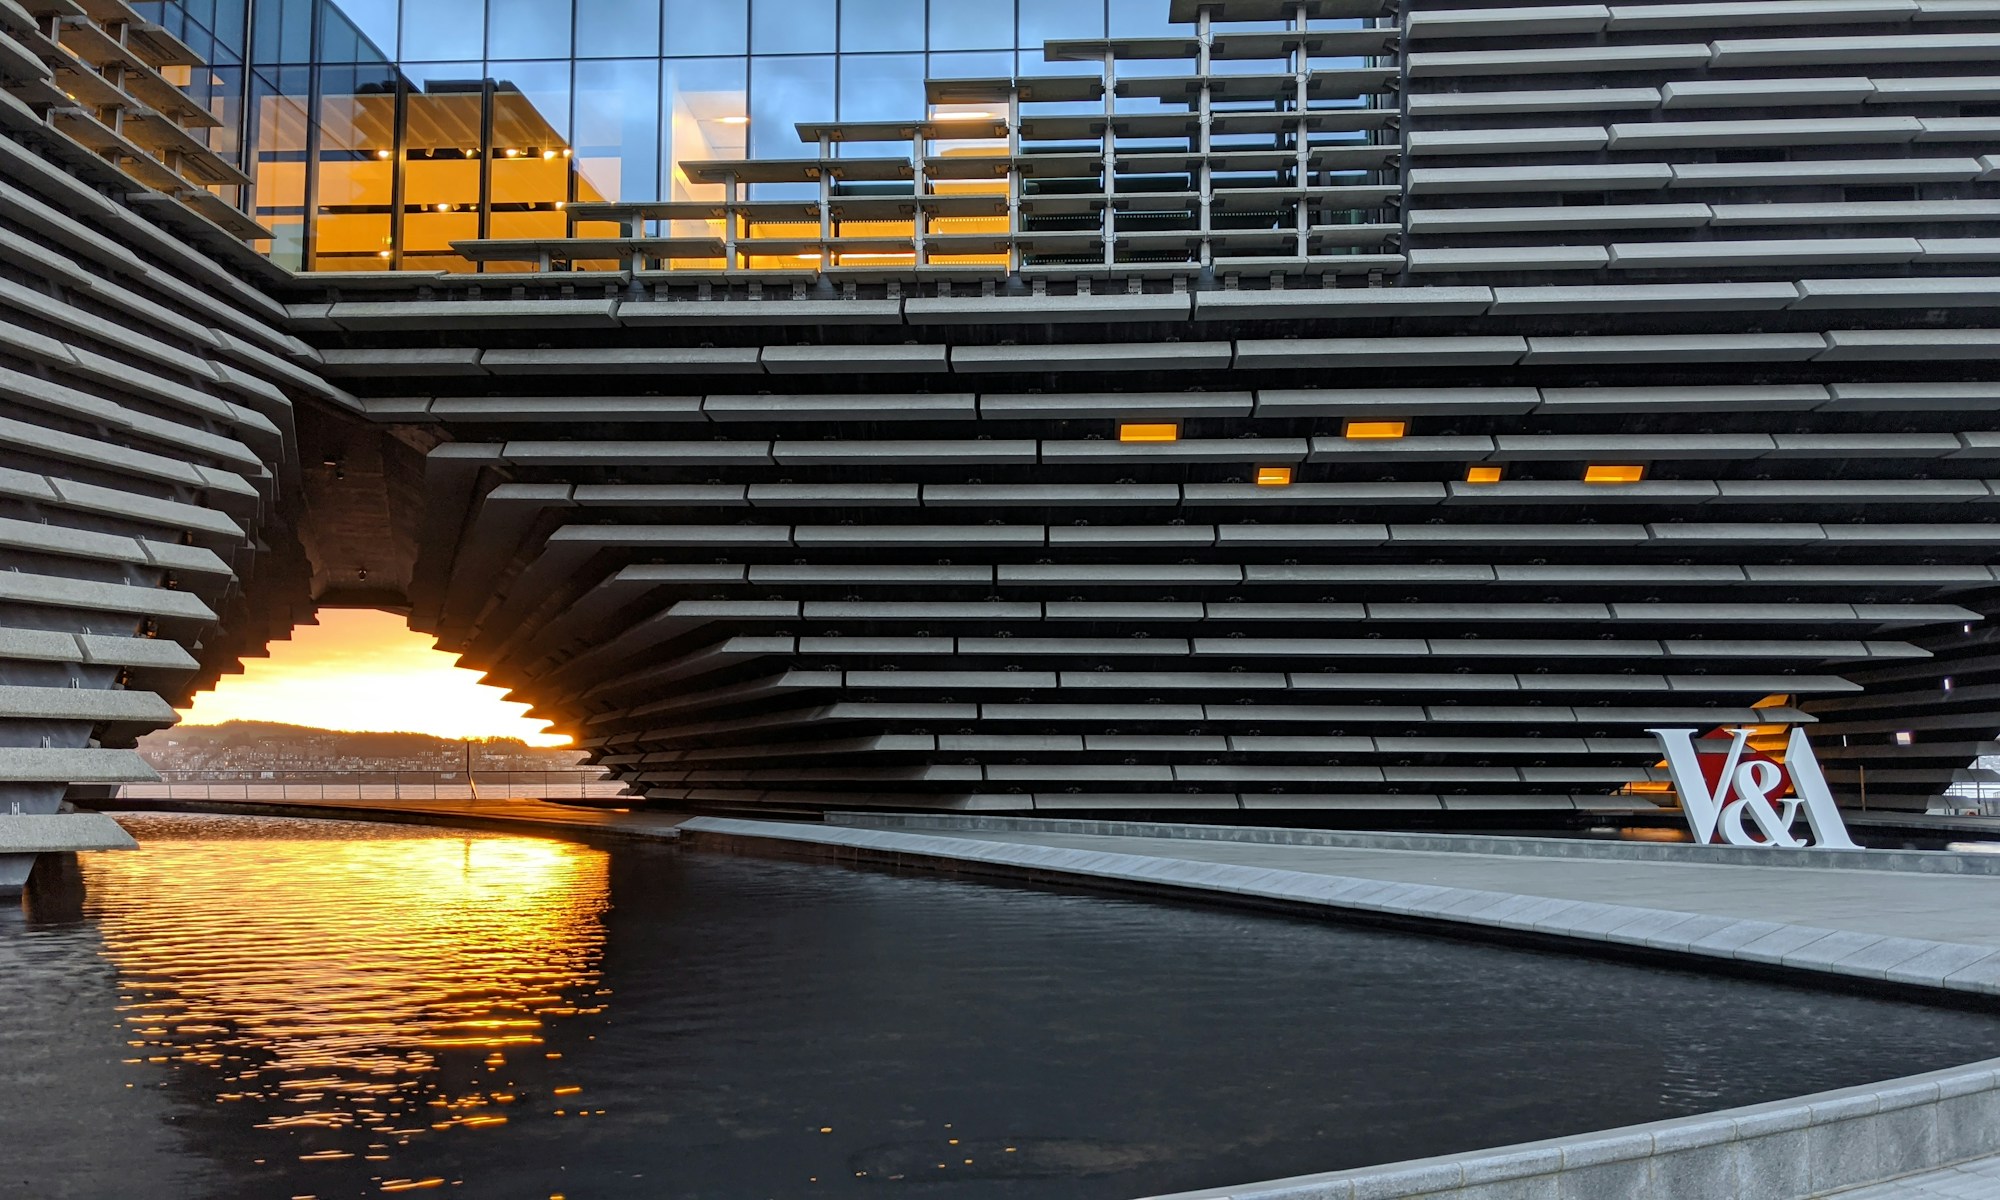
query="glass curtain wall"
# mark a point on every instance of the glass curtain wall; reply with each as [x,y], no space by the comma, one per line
[381,131]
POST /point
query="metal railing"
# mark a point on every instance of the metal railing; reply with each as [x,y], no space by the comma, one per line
[304,786]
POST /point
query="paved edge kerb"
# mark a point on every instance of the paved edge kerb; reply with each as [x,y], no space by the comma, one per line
[1921,862]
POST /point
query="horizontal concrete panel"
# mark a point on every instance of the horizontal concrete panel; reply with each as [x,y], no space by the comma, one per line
[1090,357]
[902,452]
[862,359]
[1395,402]
[473,314]
[1566,60]
[1222,450]
[760,312]
[1900,344]
[1336,303]
[866,407]
[1898,293]
[1561,219]
[555,453]
[1800,397]
[1677,348]
[1114,405]
[1011,310]
[1382,351]
[623,360]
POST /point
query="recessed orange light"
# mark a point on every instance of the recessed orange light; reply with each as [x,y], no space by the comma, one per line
[1149,433]
[1376,429]
[1483,474]
[1274,476]
[1613,474]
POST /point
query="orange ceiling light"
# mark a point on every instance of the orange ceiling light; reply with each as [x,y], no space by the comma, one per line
[1602,473]
[1154,432]
[1365,430]
[1484,474]
[1274,476]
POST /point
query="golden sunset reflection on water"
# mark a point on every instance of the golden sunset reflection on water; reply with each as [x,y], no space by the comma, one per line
[358,988]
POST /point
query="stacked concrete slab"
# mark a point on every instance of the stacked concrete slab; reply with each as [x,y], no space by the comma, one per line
[147,443]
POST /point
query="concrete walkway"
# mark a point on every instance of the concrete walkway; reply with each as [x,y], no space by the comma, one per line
[1941,908]
[1975,1180]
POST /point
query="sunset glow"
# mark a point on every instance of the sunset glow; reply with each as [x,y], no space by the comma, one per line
[365,670]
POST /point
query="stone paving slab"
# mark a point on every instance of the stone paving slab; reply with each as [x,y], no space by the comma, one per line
[1978,1180]
[1941,908]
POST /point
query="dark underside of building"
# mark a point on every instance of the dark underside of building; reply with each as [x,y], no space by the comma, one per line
[1392,441]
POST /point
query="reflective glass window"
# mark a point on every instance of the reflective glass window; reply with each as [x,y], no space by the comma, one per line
[784,92]
[1045,19]
[1142,18]
[199,40]
[442,162]
[881,87]
[353,169]
[444,29]
[973,64]
[220,90]
[343,41]
[957,25]
[706,116]
[277,166]
[527,29]
[618,130]
[372,22]
[616,28]
[791,26]
[284,31]
[707,27]
[881,25]
[232,21]
[531,157]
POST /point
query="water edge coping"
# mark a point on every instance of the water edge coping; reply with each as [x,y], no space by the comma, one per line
[1926,862]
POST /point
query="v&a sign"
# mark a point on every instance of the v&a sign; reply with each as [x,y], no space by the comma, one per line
[1749,799]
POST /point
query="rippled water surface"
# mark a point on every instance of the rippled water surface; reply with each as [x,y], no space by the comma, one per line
[254,1007]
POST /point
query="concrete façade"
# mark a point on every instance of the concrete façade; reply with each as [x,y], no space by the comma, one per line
[867,534]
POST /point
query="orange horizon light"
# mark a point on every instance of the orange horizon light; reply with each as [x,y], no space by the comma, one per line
[1155,432]
[1274,476]
[1376,429]
[1484,474]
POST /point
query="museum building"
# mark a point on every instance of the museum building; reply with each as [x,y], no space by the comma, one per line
[1262,410]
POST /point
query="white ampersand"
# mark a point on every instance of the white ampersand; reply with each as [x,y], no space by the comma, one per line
[1755,781]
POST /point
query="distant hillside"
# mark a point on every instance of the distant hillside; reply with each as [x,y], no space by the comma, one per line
[239,746]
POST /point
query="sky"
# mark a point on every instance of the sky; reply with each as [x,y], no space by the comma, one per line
[365,670]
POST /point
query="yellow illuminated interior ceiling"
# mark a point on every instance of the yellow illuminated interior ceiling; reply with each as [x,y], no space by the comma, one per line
[1274,476]
[528,173]
[1484,474]
[532,175]
[1376,429]
[1603,473]
[1154,432]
